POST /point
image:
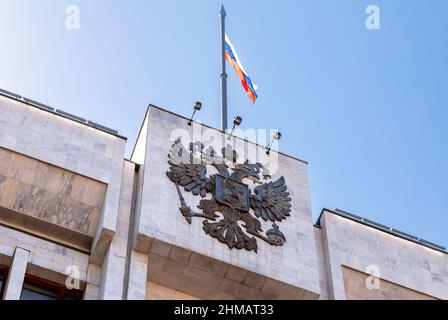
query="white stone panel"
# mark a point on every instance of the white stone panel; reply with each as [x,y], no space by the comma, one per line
[66,144]
[43,254]
[399,261]
[16,274]
[294,263]
[113,271]
[137,276]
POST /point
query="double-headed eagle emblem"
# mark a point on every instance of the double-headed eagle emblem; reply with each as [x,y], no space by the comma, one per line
[233,205]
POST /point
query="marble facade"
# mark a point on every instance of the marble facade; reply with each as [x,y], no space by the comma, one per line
[69,198]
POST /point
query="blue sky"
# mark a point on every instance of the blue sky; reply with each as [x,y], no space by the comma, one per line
[367,109]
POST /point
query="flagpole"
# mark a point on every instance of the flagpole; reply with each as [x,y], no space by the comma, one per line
[222,14]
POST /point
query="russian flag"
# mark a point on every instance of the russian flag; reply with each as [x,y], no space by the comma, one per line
[232,58]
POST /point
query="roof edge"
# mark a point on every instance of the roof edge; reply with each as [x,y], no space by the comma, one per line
[60,113]
[213,128]
[381,227]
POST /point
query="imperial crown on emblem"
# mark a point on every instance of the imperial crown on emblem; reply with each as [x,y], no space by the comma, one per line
[239,206]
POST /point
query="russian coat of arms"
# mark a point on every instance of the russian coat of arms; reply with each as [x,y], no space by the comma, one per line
[233,205]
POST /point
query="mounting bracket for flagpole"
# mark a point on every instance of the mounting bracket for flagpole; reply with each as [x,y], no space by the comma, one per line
[222,15]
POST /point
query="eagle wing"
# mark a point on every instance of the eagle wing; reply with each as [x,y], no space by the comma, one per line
[271,201]
[188,171]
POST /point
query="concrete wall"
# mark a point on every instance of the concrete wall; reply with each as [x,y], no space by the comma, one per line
[294,264]
[84,162]
[47,259]
[364,249]
[72,146]
[355,288]
[114,267]
[202,277]
[141,247]
[158,292]
[52,196]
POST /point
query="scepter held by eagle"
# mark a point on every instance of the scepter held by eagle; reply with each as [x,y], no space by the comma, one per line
[231,197]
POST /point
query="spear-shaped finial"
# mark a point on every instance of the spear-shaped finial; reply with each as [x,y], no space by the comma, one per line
[222,13]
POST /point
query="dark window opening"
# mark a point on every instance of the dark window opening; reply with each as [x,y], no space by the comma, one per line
[35,288]
[3,277]
[32,292]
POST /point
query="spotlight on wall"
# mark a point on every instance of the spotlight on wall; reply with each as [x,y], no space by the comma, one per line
[236,122]
[277,137]
[196,106]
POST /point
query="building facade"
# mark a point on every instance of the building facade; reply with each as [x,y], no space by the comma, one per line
[193,214]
